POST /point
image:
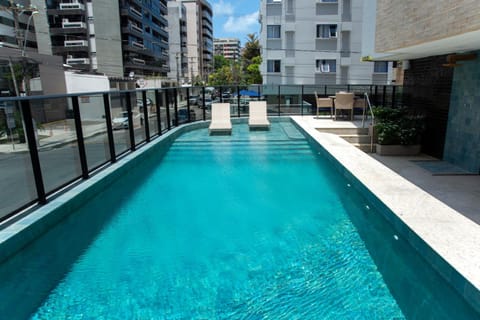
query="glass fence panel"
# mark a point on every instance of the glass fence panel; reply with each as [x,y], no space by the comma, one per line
[138,116]
[17,182]
[57,142]
[291,101]
[118,109]
[161,100]
[94,128]
[152,113]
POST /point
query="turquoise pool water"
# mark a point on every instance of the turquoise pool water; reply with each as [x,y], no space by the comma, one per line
[253,226]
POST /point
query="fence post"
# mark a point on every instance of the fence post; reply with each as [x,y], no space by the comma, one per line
[80,138]
[130,122]
[384,95]
[145,116]
[394,97]
[301,102]
[108,119]
[32,148]
[204,104]
[278,100]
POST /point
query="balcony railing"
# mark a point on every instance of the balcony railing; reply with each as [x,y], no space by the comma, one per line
[73,24]
[72,6]
[78,128]
[75,43]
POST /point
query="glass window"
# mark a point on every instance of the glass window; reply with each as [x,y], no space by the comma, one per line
[325,65]
[274,1]
[326,31]
[273,65]
[273,31]
[380,66]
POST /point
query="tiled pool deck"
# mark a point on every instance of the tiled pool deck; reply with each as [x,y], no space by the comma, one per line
[440,210]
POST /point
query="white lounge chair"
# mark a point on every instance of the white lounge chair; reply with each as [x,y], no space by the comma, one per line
[221,123]
[258,115]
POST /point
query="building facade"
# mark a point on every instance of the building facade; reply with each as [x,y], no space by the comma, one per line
[439,50]
[121,38]
[316,42]
[177,34]
[199,38]
[227,47]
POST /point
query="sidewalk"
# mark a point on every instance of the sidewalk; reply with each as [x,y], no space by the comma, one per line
[56,134]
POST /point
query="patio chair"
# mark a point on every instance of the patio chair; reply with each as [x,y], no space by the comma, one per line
[324,103]
[360,103]
[257,117]
[344,101]
[221,123]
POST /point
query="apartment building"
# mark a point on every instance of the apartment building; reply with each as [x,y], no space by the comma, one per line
[438,45]
[316,42]
[227,47]
[177,34]
[127,37]
[14,22]
[199,38]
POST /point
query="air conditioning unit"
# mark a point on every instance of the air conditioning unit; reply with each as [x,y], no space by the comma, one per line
[69,56]
[64,20]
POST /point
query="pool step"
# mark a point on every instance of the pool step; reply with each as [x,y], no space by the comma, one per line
[359,137]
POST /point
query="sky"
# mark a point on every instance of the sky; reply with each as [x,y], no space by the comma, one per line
[235,18]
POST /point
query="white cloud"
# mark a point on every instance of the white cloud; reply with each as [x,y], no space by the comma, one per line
[223,9]
[242,23]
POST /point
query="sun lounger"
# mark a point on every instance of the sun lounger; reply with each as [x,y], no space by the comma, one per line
[221,123]
[258,115]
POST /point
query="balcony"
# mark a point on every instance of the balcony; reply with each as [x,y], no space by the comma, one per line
[138,61]
[136,12]
[72,6]
[75,61]
[76,43]
[136,28]
[66,24]
[138,45]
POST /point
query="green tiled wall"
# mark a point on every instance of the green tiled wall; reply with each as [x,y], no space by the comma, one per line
[462,144]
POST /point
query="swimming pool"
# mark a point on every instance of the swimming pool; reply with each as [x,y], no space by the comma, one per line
[256,225]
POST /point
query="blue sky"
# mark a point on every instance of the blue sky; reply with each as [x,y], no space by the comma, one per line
[235,18]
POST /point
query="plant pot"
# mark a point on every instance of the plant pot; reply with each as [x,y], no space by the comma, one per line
[398,150]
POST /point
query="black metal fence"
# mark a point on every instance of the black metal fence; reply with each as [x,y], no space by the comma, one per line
[60,139]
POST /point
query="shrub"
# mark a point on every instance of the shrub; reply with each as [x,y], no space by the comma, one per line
[398,126]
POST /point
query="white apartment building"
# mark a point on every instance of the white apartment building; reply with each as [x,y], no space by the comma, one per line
[227,47]
[317,42]
[199,37]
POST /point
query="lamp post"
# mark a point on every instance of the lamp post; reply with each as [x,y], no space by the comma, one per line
[25,38]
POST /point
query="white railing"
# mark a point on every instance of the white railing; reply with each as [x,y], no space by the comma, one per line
[78,61]
[370,109]
[138,61]
[72,6]
[73,24]
[138,45]
[75,43]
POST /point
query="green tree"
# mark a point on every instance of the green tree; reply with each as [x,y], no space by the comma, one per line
[252,48]
[253,71]
[219,61]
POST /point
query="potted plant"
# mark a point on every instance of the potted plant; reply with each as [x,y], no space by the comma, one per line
[398,131]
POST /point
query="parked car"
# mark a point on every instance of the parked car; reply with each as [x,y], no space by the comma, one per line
[193,100]
[121,121]
[140,103]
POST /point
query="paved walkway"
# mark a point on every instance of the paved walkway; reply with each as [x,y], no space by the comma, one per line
[460,192]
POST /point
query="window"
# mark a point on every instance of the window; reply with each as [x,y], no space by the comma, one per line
[273,31]
[274,1]
[326,66]
[380,67]
[326,31]
[273,65]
